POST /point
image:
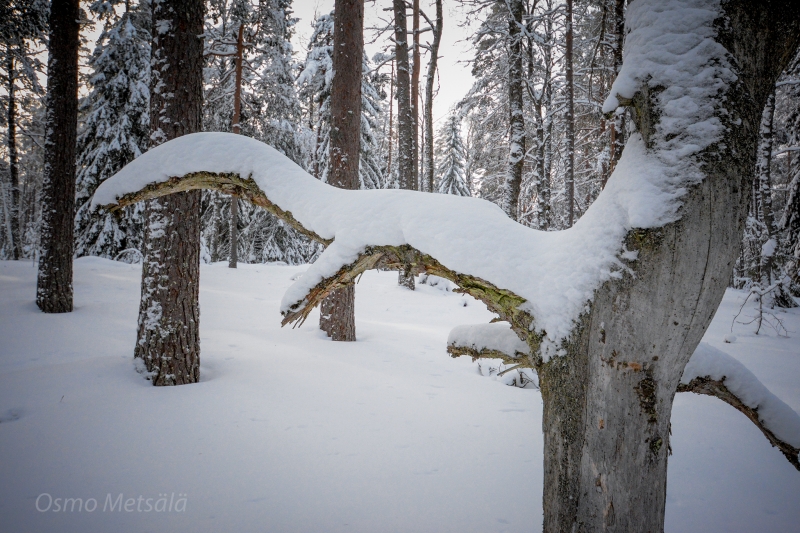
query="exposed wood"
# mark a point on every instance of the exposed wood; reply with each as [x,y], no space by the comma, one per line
[244,188]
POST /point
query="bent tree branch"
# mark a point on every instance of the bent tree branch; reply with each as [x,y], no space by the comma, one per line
[406,258]
[716,388]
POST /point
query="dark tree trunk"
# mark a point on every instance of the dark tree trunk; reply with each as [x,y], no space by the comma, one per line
[54,284]
[516,155]
[405,117]
[13,159]
[608,403]
[337,313]
[569,171]
[617,130]
[237,112]
[168,339]
[427,184]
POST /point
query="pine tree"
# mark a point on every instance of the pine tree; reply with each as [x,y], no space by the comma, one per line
[270,112]
[168,337]
[452,159]
[54,280]
[337,312]
[315,89]
[116,130]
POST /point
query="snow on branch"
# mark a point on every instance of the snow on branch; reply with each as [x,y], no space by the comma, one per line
[715,373]
[490,341]
[536,280]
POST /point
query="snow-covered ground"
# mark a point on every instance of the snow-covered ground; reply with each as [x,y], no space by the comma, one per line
[290,432]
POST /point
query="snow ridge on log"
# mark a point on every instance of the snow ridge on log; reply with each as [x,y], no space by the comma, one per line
[556,273]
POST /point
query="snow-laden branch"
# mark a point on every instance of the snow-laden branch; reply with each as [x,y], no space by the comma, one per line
[496,340]
[541,280]
[715,373]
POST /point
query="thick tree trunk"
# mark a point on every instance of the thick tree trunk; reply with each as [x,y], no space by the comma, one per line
[337,314]
[13,158]
[237,113]
[427,183]
[54,284]
[168,338]
[607,404]
[405,118]
[516,141]
[569,171]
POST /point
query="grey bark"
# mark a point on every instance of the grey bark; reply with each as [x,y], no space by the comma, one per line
[607,405]
[516,156]
[618,125]
[237,113]
[337,313]
[168,337]
[405,119]
[569,117]
[427,184]
[54,282]
[415,71]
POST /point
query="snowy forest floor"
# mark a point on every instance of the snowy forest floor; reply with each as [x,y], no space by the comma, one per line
[290,432]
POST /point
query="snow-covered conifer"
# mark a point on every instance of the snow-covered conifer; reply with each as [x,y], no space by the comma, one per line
[315,89]
[451,178]
[115,131]
[270,112]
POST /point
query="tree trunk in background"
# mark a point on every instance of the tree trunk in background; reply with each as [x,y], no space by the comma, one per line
[13,160]
[168,338]
[405,119]
[391,125]
[608,403]
[337,312]
[516,141]
[54,283]
[617,130]
[415,71]
[569,171]
[768,272]
[427,183]
[237,113]
[545,209]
